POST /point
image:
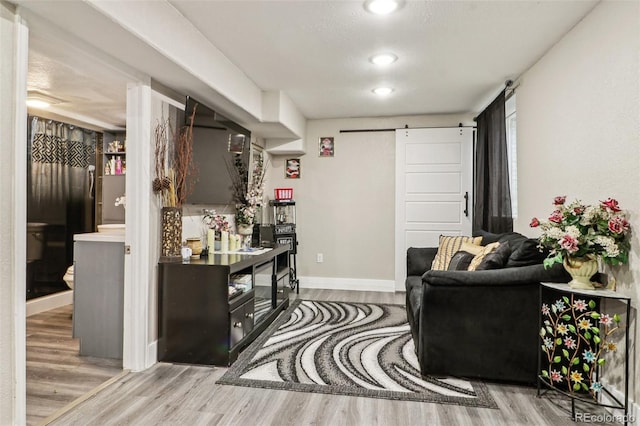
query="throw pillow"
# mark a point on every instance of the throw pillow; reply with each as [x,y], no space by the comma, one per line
[471,248]
[496,259]
[527,253]
[478,258]
[488,237]
[460,261]
[511,237]
[447,247]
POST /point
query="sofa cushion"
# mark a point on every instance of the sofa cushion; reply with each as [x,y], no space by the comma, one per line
[496,259]
[447,247]
[526,253]
[478,258]
[489,237]
[460,261]
[419,259]
[498,277]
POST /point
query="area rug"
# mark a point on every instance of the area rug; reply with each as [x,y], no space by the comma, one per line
[358,349]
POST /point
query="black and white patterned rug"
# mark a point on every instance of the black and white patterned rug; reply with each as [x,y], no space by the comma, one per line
[359,349]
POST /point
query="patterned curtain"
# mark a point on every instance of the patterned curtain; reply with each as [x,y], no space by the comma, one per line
[60,157]
[61,183]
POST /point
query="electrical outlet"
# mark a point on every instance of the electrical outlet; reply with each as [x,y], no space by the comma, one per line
[319,258]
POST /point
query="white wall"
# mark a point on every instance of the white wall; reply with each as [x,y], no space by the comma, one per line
[163,108]
[579,127]
[13,134]
[345,204]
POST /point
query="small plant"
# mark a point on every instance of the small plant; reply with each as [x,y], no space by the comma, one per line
[215,221]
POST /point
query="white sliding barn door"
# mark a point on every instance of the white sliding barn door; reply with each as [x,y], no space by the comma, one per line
[434,182]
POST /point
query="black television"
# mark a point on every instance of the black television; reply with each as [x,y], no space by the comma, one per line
[217,143]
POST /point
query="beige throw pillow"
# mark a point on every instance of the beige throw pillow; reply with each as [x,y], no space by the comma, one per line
[477,259]
[474,249]
[447,247]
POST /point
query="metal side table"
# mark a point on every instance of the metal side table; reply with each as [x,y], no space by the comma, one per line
[577,331]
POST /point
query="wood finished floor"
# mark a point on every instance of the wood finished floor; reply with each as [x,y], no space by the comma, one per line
[56,373]
[169,394]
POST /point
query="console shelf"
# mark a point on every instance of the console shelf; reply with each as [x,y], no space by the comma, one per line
[566,340]
[200,322]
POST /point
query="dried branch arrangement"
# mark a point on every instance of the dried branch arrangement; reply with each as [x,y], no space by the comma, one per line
[174,168]
[164,182]
[183,161]
[238,173]
[247,195]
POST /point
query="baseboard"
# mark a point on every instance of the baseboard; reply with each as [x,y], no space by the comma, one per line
[355,284]
[52,301]
[152,354]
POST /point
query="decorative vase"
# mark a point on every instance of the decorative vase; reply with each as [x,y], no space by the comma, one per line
[196,247]
[245,229]
[171,237]
[581,270]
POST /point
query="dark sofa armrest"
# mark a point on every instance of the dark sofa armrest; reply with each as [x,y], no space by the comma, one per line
[498,277]
[419,259]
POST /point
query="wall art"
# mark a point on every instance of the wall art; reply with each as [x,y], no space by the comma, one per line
[292,168]
[327,147]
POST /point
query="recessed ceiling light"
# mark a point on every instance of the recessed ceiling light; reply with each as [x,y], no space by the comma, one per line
[37,103]
[382,91]
[383,59]
[37,99]
[382,7]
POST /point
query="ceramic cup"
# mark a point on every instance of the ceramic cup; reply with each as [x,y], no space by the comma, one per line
[186,253]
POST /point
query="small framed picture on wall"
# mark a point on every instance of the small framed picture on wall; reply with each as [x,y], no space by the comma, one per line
[236,143]
[327,147]
[292,168]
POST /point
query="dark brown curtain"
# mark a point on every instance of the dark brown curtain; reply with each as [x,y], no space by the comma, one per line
[492,207]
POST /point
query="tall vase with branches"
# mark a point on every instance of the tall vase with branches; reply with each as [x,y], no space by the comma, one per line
[174,180]
[247,195]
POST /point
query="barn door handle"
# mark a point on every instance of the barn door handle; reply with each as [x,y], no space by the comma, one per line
[466,204]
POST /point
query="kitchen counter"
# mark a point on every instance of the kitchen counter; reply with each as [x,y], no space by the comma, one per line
[106,237]
[98,293]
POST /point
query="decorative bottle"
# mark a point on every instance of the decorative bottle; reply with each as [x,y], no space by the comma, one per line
[118,165]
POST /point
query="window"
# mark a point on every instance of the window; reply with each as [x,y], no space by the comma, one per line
[510,117]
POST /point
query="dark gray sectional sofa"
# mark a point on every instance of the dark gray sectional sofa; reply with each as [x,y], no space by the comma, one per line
[479,324]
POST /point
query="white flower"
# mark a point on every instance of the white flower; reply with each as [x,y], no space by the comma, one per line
[573,231]
[554,233]
[590,215]
[610,247]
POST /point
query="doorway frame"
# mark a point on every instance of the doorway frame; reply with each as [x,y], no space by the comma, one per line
[13,241]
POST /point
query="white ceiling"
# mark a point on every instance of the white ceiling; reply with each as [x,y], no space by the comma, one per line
[88,91]
[454,56]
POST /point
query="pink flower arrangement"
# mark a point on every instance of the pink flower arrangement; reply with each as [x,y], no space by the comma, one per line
[578,230]
[215,221]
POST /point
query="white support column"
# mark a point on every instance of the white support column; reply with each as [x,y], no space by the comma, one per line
[14,49]
[138,265]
